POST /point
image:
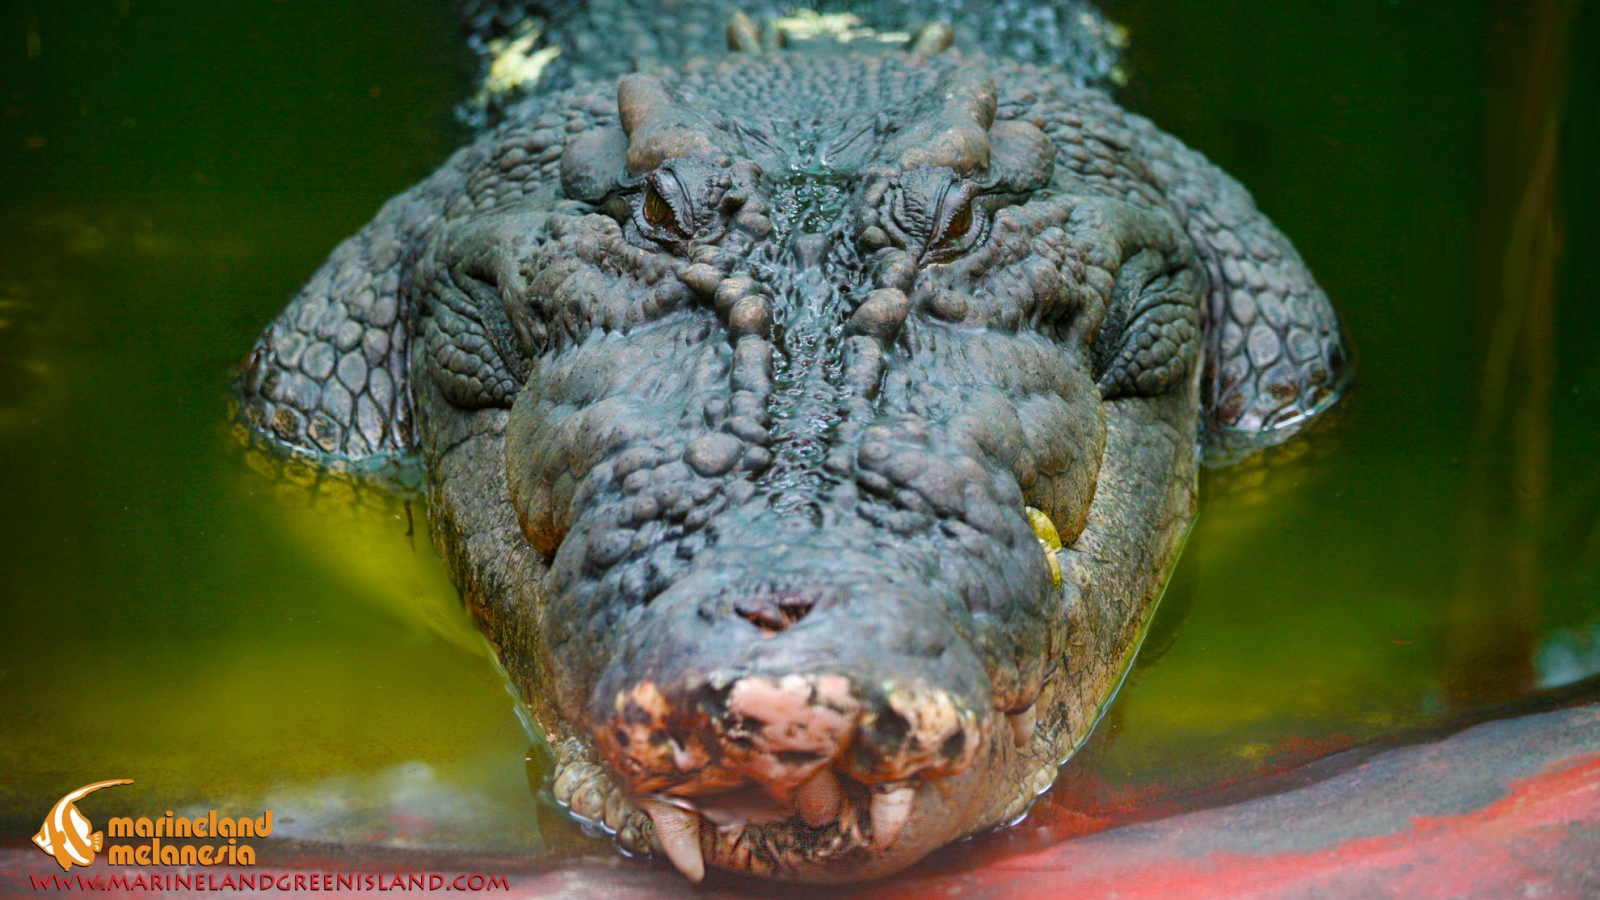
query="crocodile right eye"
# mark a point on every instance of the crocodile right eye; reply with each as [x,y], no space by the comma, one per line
[656,210]
[665,208]
[957,225]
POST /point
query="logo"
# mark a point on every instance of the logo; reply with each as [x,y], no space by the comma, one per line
[166,840]
[65,832]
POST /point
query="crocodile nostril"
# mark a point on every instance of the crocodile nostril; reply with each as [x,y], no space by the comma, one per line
[775,611]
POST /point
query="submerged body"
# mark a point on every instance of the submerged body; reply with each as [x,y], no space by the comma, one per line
[745,392]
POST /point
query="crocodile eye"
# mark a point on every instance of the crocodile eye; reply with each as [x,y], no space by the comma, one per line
[960,223]
[656,210]
[956,225]
[665,208]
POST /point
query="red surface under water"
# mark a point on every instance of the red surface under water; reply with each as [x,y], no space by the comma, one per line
[1505,809]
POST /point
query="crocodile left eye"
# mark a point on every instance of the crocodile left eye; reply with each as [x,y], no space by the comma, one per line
[957,225]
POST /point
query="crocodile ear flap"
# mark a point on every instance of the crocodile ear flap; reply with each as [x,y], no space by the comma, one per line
[328,379]
[1274,356]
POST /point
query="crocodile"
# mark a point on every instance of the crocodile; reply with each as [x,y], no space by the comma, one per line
[810,427]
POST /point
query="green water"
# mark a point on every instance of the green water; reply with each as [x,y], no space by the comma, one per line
[169,174]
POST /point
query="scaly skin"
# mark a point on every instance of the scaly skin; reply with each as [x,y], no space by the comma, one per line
[606,39]
[733,384]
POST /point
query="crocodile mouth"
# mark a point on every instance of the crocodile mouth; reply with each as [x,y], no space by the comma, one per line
[817,719]
[834,822]
[805,778]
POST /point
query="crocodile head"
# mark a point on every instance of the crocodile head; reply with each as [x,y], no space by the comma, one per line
[812,434]
[795,352]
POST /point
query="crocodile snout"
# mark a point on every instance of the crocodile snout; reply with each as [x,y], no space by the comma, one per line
[804,754]
[809,708]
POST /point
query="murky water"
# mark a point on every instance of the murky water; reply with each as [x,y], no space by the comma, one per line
[170,173]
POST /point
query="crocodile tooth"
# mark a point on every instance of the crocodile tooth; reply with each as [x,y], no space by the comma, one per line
[1022,724]
[819,799]
[678,832]
[890,810]
[1043,528]
[681,757]
[1049,541]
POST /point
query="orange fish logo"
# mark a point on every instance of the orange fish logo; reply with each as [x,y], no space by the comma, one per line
[65,832]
